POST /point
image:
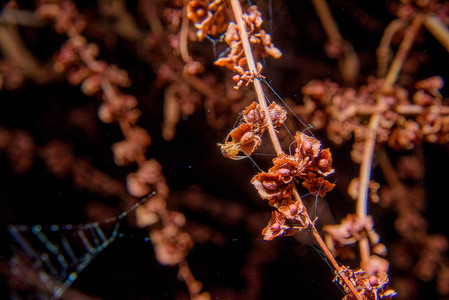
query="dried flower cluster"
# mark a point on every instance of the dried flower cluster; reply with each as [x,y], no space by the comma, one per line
[261,45]
[247,136]
[310,164]
[351,230]
[405,122]
[59,160]
[179,71]
[371,288]
[210,17]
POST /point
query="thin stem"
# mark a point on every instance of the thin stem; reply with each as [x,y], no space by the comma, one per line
[324,248]
[349,63]
[183,36]
[438,29]
[327,20]
[383,52]
[403,51]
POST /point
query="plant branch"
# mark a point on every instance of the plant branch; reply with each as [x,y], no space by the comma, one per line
[183,36]
[370,143]
[348,62]
[383,52]
[237,9]
[260,95]
[438,30]
[402,52]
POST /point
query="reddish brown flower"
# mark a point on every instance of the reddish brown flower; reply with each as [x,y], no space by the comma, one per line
[277,227]
[324,162]
[317,185]
[277,113]
[253,115]
[370,288]
[244,139]
[296,212]
[306,146]
[286,167]
[272,187]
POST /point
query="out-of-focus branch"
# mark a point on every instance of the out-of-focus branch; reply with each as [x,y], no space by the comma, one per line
[383,52]
[20,18]
[14,49]
[438,29]
[368,151]
[348,61]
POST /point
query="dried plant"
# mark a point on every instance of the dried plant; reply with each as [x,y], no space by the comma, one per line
[106,102]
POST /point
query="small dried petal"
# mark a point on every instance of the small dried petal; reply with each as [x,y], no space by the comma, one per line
[324,162]
[430,84]
[285,166]
[276,227]
[272,187]
[317,185]
[306,145]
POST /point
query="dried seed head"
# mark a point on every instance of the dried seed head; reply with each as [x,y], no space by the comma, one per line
[293,209]
[373,281]
[323,163]
[307,145]
[271,185]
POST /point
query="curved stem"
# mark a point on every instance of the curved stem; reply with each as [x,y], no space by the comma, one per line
[403,51]
[183,36]
[383,52]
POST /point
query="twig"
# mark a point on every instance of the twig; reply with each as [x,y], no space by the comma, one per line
[370,143]
[252,67]
[274,139]
[183,36]
[349,64]
[438,29]
[403,51]
[383,52]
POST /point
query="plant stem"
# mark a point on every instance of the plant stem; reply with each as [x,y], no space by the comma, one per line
[348,62]
[438,29]
[274,139]
[403,51]
[370,143]
[383,52]
[252,67]
[183,36]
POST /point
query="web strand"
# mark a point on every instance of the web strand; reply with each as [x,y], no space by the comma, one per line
[58,253]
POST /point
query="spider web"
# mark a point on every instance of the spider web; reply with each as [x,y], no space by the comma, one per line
[51,257]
